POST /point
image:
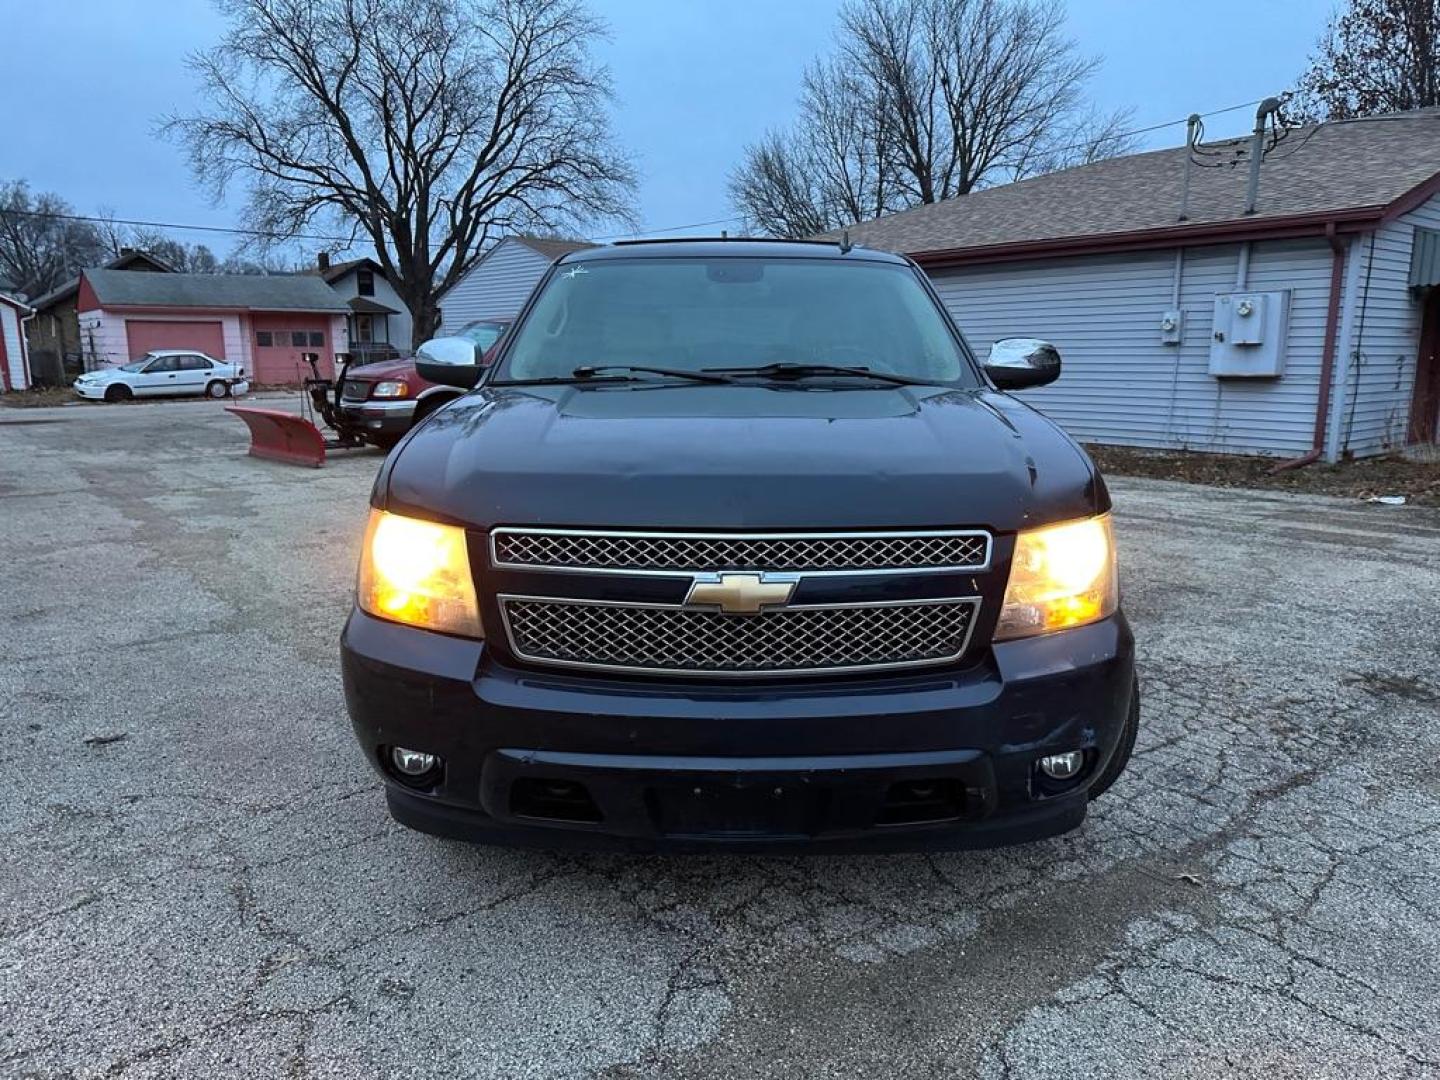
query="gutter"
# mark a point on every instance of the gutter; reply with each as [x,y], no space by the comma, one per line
[1327,358]
[1326,223]
[25,349]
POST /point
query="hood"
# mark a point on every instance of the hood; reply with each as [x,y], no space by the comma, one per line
[103,375]
[387,369]
[740,457]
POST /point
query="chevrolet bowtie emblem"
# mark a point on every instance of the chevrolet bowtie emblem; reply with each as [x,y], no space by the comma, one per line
[740,594]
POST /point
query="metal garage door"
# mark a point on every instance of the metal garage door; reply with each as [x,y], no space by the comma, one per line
[279,340]
[146,334]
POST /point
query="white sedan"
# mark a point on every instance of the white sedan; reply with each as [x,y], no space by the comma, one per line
[164,372]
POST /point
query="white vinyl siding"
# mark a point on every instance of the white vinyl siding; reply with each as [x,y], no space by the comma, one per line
[1380,384]
[497,286]
[14,358]
[1119,384]
[400,324]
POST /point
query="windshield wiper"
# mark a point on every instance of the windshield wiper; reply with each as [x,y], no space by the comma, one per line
[805,371]
[589,372]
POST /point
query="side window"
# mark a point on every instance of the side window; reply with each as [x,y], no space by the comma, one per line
[264,338]
[317,339]
[297,338]
[365,282]
[162,364]
[194,363]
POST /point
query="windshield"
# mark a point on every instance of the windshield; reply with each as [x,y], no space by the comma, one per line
[483,334]
[137,365]
[699,313]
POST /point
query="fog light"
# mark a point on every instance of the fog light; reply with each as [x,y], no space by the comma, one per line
[1062,766]
[412,762]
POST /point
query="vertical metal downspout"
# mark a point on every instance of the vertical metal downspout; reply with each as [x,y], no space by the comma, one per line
[1327,356]
[1345,348]
[25,351]
[1332,331]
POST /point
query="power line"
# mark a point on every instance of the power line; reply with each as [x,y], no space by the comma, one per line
[96,220]
[1159,127]
[231,230]
[672,228]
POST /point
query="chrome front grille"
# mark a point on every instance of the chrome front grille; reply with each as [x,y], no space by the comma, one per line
[661,639]
[651,552]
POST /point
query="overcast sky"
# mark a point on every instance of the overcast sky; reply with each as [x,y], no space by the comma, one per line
[695,81]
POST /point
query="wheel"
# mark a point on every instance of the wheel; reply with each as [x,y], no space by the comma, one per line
[118,392]
[217,389]
[1118,760]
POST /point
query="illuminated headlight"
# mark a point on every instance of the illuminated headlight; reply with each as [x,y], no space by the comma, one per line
[390,389]
[418,572]
[1061,576]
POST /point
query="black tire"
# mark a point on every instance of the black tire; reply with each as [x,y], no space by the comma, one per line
[118,392]
[1118,760]
[217,389]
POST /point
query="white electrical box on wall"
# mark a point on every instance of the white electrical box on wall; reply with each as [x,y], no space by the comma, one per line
[1172,327]
[1247,337]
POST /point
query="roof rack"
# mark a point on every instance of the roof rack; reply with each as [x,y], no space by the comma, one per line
[726,239]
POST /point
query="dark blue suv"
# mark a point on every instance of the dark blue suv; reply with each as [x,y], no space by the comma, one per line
[736,545]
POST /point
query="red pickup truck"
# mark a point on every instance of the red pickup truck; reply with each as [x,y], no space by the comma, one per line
[387,399]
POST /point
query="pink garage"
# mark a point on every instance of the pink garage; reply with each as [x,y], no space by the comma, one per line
[265,323]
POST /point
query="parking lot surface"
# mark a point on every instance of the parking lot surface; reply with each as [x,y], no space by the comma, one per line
[198,877]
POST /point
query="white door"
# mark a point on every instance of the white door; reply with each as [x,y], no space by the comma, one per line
[161,376]
[194,374]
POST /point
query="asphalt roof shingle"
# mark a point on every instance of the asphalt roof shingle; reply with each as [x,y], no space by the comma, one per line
[551,248]
[1330,167]
[250,292]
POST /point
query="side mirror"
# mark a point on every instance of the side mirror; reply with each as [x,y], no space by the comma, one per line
[450,361]
[1016,363]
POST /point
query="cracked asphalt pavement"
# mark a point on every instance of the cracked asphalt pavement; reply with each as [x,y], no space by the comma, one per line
[219,892]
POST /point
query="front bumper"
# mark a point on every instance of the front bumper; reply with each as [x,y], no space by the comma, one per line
[840,764]
[90,391]
[380,417]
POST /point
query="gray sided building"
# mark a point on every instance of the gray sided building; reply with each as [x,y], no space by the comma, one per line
[499,284]
[1311,324]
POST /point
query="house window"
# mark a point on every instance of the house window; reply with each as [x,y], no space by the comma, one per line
[365,282]
[317,339]
[264,338]
[297,339]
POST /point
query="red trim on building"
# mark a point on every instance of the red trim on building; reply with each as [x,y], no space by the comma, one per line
[1332,332]
[1412,198]
[4,363]
[86,301]
[1225,232]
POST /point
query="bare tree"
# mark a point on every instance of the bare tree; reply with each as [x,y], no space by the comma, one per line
[1377,56]
[1094,137]
[836,168]
[936,98]
[426,127]
[41,246]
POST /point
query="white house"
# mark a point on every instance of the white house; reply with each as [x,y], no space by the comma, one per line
[378,317]
[499,284]
[14,357]
[1309,327]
